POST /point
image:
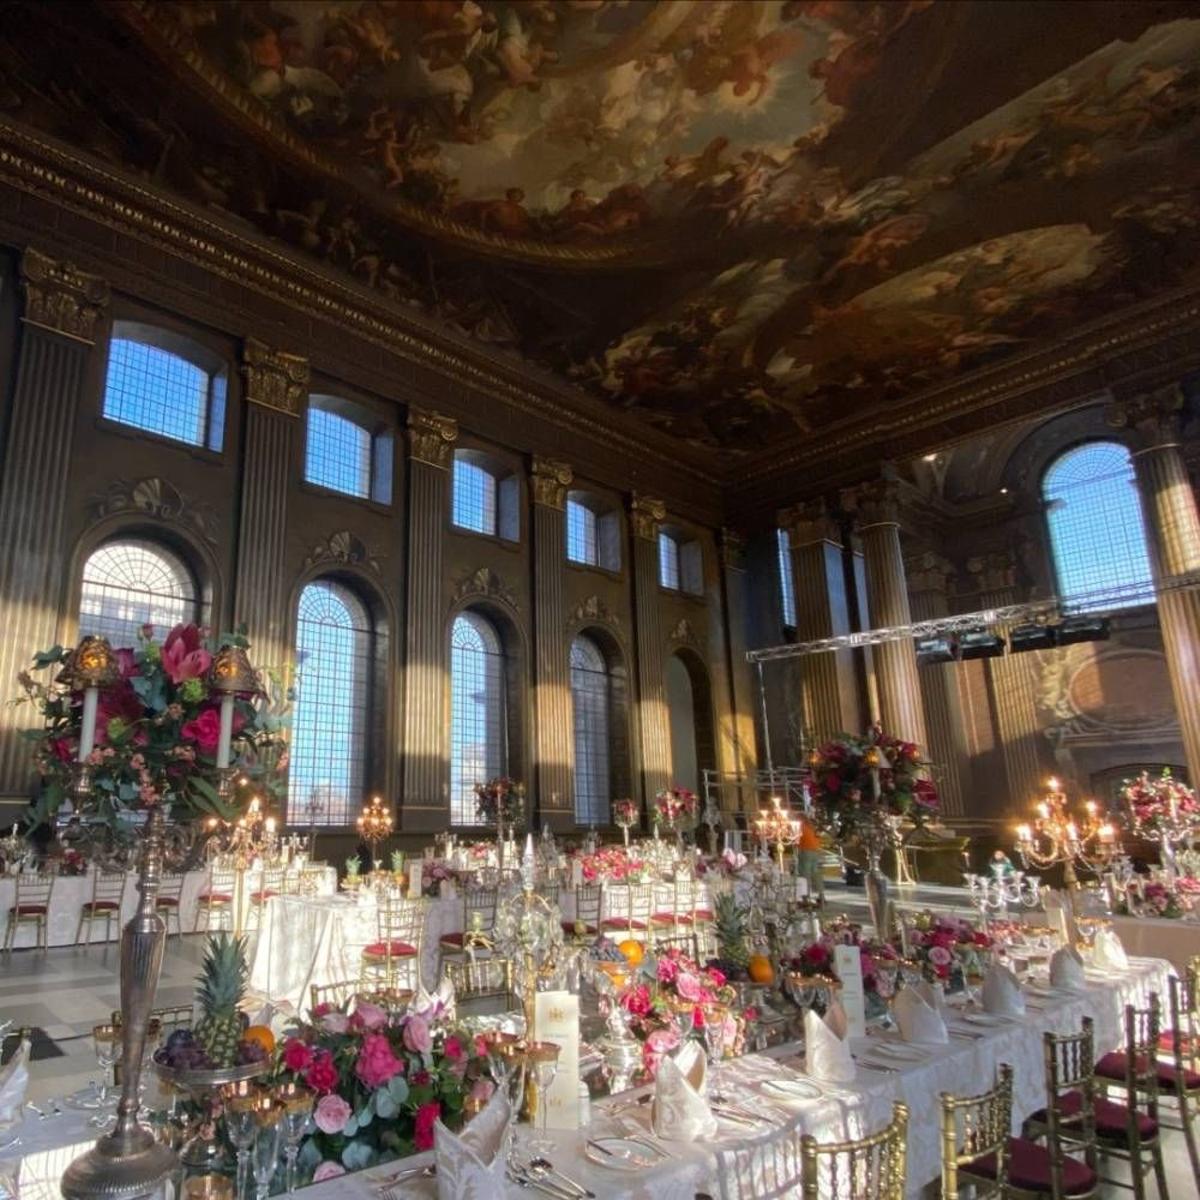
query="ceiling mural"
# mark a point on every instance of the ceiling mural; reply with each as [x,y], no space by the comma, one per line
[736,220]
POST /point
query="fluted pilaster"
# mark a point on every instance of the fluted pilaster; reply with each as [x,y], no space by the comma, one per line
[653,723]
[426,805]
[875,506]
[276,384]
[741,750]
[1172,522]
[62,306]
[549,481]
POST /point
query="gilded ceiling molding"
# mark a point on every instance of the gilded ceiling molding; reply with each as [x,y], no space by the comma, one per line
[733,549]
[684,634]
[431,436]
[646,514]
[342,548]
[1155,417]
[592,611]
[157,498]
[550,480]
[60,297]
[810,522]
[484,584]
[274,378]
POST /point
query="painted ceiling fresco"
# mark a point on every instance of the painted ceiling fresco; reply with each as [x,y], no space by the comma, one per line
[735,219]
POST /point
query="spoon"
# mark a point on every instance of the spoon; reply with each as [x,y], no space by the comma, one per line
[543,1166]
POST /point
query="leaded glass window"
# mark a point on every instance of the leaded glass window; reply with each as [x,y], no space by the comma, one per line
[591,688]
[130,583]
[478,717]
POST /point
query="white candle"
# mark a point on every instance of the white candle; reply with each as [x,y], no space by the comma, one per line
[87,727]
[271,825]
[225,739]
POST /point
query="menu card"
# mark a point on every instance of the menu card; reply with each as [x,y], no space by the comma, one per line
[847,962]
[576,874]
[556,1019]
[415,873]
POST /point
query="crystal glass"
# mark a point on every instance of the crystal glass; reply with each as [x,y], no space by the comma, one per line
[242,1101]
[106,1041]
[714,1040]
[297,1104]
[268,1137]
[542,1060]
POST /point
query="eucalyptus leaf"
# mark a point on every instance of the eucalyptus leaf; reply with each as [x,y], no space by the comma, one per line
[357,1156]
[351,1127]
[386,1106]
[397,1088]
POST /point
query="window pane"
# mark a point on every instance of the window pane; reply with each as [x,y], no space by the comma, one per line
[330,718]
[337,453]
[787,593]
[477,713]
[668,561]
[582,542]
[1097,534]
[129,584]
[155,390]
[474,497]
[590,702]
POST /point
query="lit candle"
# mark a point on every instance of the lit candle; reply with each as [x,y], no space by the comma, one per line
[271,825]
[1043,810]
[87,726]
[225,737]
[1024,833]
[1052,784]
[1106,834]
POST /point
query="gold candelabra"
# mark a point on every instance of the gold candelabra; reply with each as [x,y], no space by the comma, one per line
[775,826]
[375,826]
[1055,836]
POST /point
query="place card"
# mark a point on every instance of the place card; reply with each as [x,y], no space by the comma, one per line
[556,1019]
[847,962]
[415,874]
[576,874]
[801,887]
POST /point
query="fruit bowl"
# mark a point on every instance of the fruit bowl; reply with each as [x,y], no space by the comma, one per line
[199,1078]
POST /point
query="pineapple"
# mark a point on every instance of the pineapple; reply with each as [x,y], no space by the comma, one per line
[221,988]
[730,920]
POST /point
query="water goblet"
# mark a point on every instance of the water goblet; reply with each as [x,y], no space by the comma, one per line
[297,1103]
[242,1101]
[714,1040]
[106,1041]
[542,1058]
[268,1134]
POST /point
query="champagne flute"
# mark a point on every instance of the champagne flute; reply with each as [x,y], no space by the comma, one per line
[106,1041]
[241,1105]
[268,1134]
[714,1040]
[297,1104]
[542,1058]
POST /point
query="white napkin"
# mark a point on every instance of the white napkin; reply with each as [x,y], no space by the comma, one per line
[14,1080]
[1066,970]
[1107,952]
[438,1005]
[827,1053]
[680,1111]
[1002,992]
[918,1017]
[471,1165]
[1056,914]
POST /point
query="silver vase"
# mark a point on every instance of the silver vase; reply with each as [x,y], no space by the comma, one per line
[877,897]
[128,1162]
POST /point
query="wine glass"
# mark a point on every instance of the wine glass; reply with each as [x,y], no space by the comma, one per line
[106,1041]
[714,1040]
[297,1104]
[242,1101]
[542,1058]
[268,1134]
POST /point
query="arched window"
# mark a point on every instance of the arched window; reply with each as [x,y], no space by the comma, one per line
[591,697]
[131,583]
[162,383]
[342,453]
[478,712]
[787,590]
[331,717]
[1097,533]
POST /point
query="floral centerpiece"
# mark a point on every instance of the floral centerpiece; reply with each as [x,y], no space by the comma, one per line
[878,959]
[675,808]
[946,944]
[626,814]
[1159,898]
[382,1081]
[72,863]
[1160,804]
[500,802]
[435,873]
[612,863]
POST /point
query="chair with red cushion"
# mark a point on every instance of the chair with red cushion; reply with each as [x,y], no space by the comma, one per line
[31,904]
[627,910]
[214,905]
[671,920]
[478,922]
[1184,1069]
[169,902]
[400,924]
[270,885]
[108,890]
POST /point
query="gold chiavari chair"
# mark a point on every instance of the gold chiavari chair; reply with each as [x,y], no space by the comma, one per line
[272,884]
[481,979]
[628,906]
[1180,1078]
[169,901]
[338,994]
[168,1019]
[214,905]
[401,927]
[671,922]
[31,904]
[585,926]
[108,890]
[478,921]
[870,1168]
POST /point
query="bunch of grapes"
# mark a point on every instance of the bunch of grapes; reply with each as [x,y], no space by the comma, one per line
[181,1052]
[605,950]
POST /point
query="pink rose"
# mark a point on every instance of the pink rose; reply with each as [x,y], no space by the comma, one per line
[667,970]
[688,986]
[423,1124]
[296,1054]
[716,977]
[370,1016]
[204,729]
[376,1062]
[417,1037]
[636,1000]
[183,656]
[452,1048]
[481,1091]
[328,1170]
[335,1022]
[331,1114]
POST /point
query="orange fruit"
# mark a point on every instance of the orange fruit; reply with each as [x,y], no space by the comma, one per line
[760,969]
[632,949]
[262,1035]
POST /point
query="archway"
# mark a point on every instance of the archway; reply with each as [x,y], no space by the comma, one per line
[689,708]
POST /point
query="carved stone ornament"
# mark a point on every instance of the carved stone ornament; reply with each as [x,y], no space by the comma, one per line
[1156,417]
[684,635]
[342,547]
[930,572]
[810,522]
[156,498]
[646,514]
[550,480]
[431,436]
[592,610]
[876,502]
[484,584]
[60,297]
[993,572]
[274,378]
[733,550]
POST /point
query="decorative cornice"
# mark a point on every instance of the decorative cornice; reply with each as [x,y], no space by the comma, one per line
[733,550]
[592,611]
[274,378]
[484,584]
[154,497]
[431,436]
[876,502]
[60,297]
[646,514]
[810,522]
[550,480]
[1155,417]
[995,571]
[930,572]
[343,548]
[684,635]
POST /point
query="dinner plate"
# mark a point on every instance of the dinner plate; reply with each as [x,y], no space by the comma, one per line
[792,1089]
[903,1051]
[989,1019]
[624,1154]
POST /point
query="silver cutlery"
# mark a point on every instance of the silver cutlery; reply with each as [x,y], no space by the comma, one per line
[42,1114]
[524,1180]
[543,1166]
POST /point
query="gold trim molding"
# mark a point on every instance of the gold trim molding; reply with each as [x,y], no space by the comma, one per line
[431,436]
[1156,417]
[550,479]
[646,514]
[733,550]
[808,523]
[274,378]
[60,297]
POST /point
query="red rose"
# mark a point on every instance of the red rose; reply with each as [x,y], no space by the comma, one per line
[296,1054]
[204,730]
[833,782]
[322,1075]
[184,656]
[427,1116]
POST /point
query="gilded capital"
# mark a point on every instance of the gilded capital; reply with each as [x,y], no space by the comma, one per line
[808,523]
[60,297]
[550,479]
[274,378]
[993,572]
[876,502]
[431,436]
[733,550]
[1155,417]
[930,572]
[646,514]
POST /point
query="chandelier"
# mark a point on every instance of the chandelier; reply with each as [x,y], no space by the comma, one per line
[775,826]
[1056,837]
[374,826]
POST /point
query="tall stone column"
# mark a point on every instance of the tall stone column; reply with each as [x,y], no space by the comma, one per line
[426,806]
[875,506]
[740,752]
[928,580]
[554,730]
[276,386]
[1173,526]
[645,516]
[62,306]
[828,687]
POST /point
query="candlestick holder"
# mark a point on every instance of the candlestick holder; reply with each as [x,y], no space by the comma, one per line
[776,827]
[998,893]
[374,826]
[1055,837]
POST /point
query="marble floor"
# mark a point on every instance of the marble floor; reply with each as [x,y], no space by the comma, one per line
[67,990]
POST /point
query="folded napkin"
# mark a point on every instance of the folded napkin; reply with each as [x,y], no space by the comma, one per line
[471,1165]
[14,1081]
[1107,952]
[1002,992]
[827,1053]
[437,1005]
[1066,970]
[680,1111]
[1056,914]
[918,1017]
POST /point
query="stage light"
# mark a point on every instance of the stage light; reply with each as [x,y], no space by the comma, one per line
[979,643]
[1031,637]
[938,649]
[1082,629]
